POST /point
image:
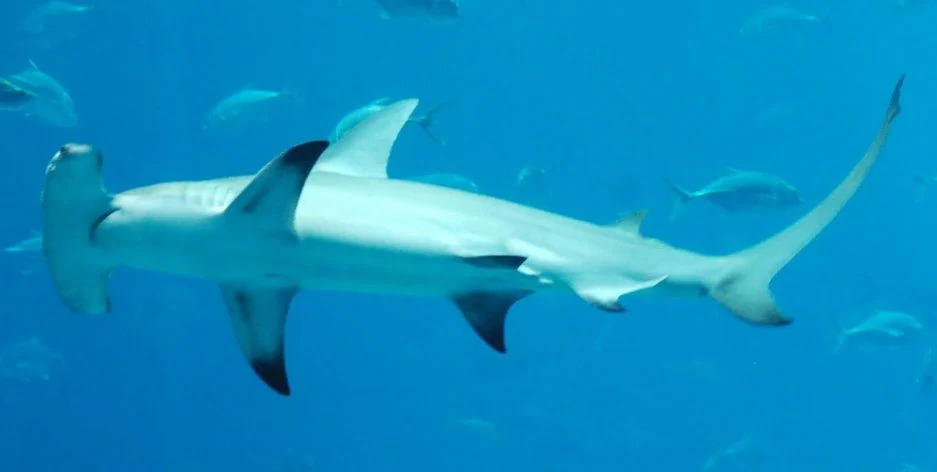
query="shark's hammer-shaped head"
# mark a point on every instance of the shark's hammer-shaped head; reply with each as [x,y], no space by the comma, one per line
[74,173]
[74,201]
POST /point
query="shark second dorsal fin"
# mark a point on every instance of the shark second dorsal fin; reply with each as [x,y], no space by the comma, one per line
[630,223]
[274,192]
[365,149]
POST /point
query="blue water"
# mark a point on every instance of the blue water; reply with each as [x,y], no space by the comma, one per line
[609,97]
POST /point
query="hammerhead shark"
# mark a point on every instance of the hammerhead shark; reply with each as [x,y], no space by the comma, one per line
[325,216]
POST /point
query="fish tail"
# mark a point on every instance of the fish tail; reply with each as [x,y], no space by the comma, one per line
[742,283]
[683,197]
[293,95]
[426,121]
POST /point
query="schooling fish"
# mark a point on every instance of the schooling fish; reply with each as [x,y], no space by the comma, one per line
[885,328]
[51,103]
[739,191]
[776,17]
[242,107]
[358,115]
[438,9]
[324,216]
[13,97]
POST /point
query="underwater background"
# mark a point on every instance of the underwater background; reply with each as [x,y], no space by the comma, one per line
[609,99]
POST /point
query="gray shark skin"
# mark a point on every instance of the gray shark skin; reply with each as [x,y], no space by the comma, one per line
[326,217]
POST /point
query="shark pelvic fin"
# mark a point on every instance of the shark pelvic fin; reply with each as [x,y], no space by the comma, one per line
[274,192]
[744,288]
[605,296]
[486,312]
[365,149]
[258,316]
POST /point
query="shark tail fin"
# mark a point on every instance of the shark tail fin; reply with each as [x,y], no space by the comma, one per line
[74,202]
[743,285]
[426,121]
[683,197]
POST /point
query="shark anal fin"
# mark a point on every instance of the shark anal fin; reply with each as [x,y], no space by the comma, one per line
[275,190]
[258,316]
[496,262]
[486,313]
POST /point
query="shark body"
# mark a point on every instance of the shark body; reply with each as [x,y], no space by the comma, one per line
[326,217]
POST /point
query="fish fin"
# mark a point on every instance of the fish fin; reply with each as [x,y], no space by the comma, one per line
[274,192]
[683,197]
[486,313]
[258,316]
[363,151]
[496,262]
[604,296]
[630,223]
[743,287]
[426,122]
[33,65]
[293,95]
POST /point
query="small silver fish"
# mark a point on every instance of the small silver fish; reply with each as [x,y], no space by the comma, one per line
[243,107]
[437,9]
[776,17]
[885,328]
[739,191]
[13,97]
[32,244]
[41,18]
[51,103]
[357,115]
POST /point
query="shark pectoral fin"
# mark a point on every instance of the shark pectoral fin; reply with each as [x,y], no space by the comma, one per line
[496,262]
[486,313]
[363,151]
[605,296]
[274,192]
[258,316]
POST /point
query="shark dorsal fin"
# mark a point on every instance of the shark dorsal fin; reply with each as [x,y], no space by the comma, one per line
[274,192]
[630,223]
[365,149]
